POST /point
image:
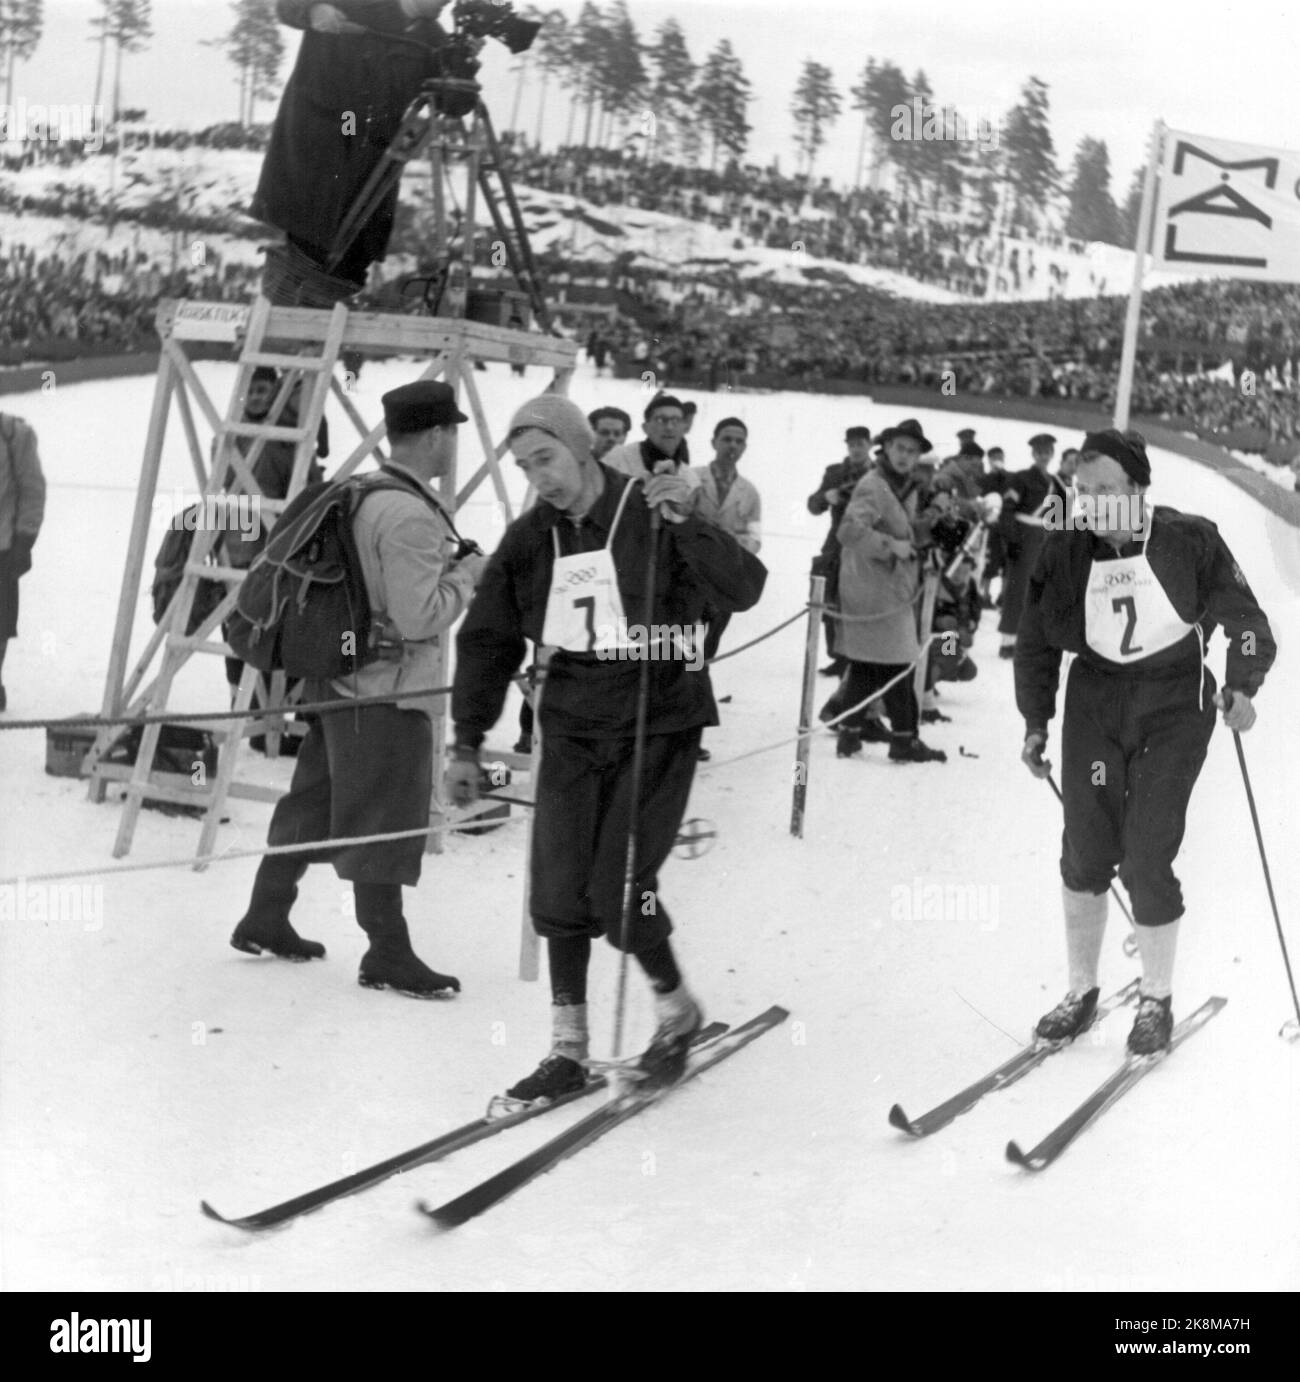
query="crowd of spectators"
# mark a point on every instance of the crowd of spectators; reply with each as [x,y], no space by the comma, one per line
[713,323]
[763,207]
[726,326]
[98,300]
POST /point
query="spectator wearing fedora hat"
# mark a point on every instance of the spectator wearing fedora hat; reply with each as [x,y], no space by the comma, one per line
[880,538]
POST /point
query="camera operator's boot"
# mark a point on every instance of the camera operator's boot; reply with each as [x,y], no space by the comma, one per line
[390,963]
[265,926]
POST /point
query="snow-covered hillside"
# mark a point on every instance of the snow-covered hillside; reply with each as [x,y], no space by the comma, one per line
[145,1065]
[219,184]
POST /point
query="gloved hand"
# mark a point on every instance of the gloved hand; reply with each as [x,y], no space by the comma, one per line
[473,565]
[463,776]
[328,19]
[20,554]
[1032,754]
[673,495]
[1238,709]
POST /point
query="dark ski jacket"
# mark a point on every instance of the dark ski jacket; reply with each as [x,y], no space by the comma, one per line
[341,107]
[1199,575]
[699,567]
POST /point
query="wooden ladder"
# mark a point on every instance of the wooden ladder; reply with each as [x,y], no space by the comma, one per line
[231,475]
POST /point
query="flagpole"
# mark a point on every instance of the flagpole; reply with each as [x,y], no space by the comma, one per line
[1128,357]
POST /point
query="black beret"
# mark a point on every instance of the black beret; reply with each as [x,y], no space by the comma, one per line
[419,406]
[1128,448]
[1043,439]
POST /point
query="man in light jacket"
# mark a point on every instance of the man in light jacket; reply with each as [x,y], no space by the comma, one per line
[368,769]
[22,511]
[880,536]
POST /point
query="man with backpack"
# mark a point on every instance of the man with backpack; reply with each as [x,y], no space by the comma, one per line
[22,510]
[368,769]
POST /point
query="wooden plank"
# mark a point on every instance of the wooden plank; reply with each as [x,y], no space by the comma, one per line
[136,555]
[386,333]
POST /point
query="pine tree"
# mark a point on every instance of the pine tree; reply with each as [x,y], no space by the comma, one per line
[674,129]
[623,72]
[524,65]
[1028,154]
[884,91]
[921,156]
[99,25]
[722,95]
[255,48]
[587,59]
[1129,217]
[126,24]
[552,49]
[1092,213]
[21,25]
[861,98]
[815,107]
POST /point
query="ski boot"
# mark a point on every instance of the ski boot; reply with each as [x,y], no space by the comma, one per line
[1072,1015]
[555,1077]
[562,1072]
[275,938]
[1152,1026]
[664,1060]
[847,743]
[907,748]
[390,963]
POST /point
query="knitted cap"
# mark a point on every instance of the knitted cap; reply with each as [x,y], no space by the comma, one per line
[560,418]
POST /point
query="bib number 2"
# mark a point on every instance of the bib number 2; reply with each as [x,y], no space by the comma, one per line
[1127,606]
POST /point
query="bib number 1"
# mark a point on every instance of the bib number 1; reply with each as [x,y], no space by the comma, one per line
[588,606]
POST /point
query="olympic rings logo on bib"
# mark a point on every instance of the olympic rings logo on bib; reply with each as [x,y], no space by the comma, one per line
[587,573]
[1120,577]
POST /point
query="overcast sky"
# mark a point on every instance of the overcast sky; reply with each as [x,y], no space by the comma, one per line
[1112,66]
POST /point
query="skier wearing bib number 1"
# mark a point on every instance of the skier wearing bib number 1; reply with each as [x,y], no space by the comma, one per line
[571,575]
[1135,595]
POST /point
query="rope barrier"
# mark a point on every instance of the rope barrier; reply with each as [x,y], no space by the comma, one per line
[469,826]
[826,724]
[307,847]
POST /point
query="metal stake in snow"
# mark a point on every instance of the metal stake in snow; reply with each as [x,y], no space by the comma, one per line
[1290,1029]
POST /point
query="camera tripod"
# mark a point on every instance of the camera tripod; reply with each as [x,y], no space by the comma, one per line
[427,127]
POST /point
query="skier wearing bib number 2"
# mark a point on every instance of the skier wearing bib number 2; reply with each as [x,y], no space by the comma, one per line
[1135,594]
[571,575]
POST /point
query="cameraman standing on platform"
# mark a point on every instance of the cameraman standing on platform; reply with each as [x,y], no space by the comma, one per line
[360,65]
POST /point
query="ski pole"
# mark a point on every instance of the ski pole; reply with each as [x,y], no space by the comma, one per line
[1290,1029]
[1130,941]
[634,806]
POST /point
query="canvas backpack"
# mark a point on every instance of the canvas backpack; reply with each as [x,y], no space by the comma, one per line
[169,571]
[303,607]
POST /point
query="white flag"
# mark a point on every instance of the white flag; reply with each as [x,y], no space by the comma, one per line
[1227,209]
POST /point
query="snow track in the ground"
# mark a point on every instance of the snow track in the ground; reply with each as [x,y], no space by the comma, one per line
[145,1065]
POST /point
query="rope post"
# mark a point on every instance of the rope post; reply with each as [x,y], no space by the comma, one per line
[816,598]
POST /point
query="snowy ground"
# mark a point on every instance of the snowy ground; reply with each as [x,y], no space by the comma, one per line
[146,1065]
